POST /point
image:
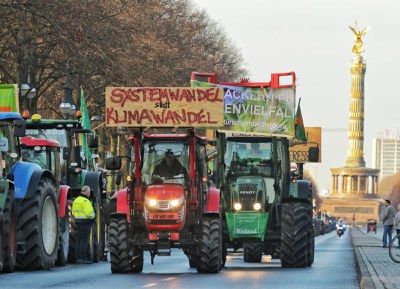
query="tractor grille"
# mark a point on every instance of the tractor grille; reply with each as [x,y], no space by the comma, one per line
[163,204]
[247,196]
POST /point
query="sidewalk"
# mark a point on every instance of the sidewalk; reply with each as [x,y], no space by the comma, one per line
[374,267]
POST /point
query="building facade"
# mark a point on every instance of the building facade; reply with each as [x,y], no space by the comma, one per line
[386,154]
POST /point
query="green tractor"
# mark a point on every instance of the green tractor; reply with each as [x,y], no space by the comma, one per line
[76,171]
[267,208]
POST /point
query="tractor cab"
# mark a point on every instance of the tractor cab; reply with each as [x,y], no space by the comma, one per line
[44,152]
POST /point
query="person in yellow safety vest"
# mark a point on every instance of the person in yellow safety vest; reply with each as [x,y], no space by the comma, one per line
[83,212]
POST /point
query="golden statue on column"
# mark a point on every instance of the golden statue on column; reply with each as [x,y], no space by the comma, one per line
[355,186]
[358,47]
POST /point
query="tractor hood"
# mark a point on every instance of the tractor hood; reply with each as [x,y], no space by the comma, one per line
[165,192]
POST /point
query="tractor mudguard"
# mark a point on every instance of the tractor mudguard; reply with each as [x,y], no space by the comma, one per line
[213,204]
[27,177]
[122,202]
[62,200]
[94,181]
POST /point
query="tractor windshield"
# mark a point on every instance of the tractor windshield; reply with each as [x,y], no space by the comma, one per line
[245,158]
[249,175]
[37,156]
[165,162]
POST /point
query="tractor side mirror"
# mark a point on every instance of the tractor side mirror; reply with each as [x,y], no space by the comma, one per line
[113,163]
[19,127]
[313,154]
[66,153]
[118,179]
[93,141]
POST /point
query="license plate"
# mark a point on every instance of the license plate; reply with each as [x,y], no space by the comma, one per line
[163,216]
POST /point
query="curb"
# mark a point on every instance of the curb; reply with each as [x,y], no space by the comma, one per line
[364,277]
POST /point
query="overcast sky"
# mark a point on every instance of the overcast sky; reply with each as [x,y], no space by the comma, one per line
[312,38]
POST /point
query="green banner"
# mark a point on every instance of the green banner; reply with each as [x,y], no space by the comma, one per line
[257,110]
[9,98]
[246,225]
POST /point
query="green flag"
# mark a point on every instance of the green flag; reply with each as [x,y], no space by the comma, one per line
[9,98]
[300,132]
[85,125]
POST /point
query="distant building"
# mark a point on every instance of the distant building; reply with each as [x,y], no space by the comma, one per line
[386,154]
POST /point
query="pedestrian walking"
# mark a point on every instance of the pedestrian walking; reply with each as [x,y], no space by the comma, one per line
[397,223]
[82,210]
[388,221]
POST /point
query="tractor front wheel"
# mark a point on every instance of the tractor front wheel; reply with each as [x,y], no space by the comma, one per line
[63,248]
[252,251]
[123,259]
[210,246]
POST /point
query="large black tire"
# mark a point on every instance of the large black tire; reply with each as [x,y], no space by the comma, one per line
[210,246]
[1,242]
[63,247]
[10,233]
[38,221]
[98,232]
[252,251]
[73,234]
[294,235]
[311,238]
[121,259]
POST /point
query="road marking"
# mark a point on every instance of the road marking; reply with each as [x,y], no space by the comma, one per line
[150,285]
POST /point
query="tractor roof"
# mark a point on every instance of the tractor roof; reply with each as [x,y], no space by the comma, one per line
[10,115]
[53,124]
[32,141]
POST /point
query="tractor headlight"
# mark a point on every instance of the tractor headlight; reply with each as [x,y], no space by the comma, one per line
[150,202]
[257,206]
[237,206]
[176,202]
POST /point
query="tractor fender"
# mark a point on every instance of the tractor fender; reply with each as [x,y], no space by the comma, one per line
[62,200]
[122,201]
[94,181]
[213,204]
[29,175]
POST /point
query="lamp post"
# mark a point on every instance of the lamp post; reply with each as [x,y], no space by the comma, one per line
[66,106]
[27,90]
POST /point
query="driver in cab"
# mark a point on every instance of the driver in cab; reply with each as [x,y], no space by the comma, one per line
[170,167]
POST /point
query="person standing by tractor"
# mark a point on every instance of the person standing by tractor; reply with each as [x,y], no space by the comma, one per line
[388,221]
[83,212]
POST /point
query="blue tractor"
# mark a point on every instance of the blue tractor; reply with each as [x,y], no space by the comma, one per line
[28,202]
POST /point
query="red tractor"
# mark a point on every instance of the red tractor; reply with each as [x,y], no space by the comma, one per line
[164,209]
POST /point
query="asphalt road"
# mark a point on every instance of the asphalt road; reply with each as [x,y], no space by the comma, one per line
[333,268]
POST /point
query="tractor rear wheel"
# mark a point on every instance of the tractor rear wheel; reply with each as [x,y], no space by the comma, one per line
[294,235]
[122,261]
[63,248]
[311,238]
[38,220]
[210,246]
[252,251]
[1,242]
[10,233]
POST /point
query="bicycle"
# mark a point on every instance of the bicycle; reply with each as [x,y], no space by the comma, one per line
[394,249]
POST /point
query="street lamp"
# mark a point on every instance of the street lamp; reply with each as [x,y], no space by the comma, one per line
[27,92]
[66,105]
